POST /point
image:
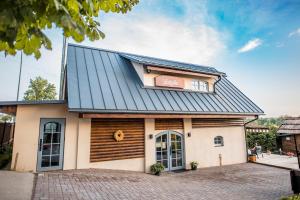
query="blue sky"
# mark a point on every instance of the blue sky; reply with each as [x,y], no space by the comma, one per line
[257,44]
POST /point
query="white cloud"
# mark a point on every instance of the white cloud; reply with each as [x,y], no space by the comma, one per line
[250,45]
[163,37]
[293,33]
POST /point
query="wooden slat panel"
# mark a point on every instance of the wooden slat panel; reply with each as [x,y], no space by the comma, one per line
[168,124]
[201,123]
[103,145]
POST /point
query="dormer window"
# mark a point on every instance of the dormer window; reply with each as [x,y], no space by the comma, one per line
[199,85]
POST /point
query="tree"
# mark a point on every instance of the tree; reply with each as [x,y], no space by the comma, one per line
[22,21]
[40,89]
[5,118]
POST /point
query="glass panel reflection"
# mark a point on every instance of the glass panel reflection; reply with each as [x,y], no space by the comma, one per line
[45,161]
[55,148]
[165,163]
[174,163]
[158,155]
[54,161]
[47,138]
[165,154]
[56,138]
[179,162]
[46,149]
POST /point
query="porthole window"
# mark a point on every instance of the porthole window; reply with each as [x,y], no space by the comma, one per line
[219,141]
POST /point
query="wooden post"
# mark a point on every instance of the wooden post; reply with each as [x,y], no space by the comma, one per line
[297,152]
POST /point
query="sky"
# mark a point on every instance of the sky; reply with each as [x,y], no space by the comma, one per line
[256,43]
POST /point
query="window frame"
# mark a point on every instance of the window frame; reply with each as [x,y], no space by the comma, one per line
[219,141]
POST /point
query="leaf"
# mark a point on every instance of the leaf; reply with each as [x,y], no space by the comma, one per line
[22,22]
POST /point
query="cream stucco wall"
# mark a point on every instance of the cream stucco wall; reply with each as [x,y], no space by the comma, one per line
[200,146]
[27,135]
[76,152]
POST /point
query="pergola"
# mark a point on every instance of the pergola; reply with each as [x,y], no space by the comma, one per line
[291,127]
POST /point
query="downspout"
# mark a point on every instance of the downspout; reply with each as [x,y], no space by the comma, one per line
[219,78]
[256,117]
[77,143]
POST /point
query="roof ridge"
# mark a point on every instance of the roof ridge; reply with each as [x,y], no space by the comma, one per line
[131,54]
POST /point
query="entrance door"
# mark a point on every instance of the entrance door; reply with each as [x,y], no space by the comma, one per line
[169,150]
[51,142]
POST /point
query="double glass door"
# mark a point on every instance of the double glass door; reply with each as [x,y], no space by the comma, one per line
[169,150]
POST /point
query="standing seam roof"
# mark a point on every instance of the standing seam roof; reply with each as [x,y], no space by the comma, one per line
[105,81]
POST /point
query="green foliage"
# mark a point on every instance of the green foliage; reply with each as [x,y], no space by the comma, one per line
[194,165]
[22,21]
[157,168]
[266,140]
[5,118]
[40,89]
[5,156]
[294,197]
[270,122]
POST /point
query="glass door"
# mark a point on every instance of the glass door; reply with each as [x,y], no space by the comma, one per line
[169,150]
[51,140]
[176,151]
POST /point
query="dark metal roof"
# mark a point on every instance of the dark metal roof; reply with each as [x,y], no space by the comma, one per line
[171,64]
[13,103]
[290,126]
[105,81]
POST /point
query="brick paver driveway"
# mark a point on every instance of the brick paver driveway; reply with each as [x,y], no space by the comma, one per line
[243,181]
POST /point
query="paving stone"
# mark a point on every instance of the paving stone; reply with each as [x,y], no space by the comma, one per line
[242,181]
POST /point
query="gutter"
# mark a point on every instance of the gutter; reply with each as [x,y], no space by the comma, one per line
[256,117]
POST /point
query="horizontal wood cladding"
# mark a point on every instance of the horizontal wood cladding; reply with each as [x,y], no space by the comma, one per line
[168,124]
[104,147]
[202,123]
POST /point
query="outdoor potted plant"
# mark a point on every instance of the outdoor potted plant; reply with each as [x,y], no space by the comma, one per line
[157,168]
[194,165]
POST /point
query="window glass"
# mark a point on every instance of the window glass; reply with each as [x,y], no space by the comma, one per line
[218,141]
[199,85]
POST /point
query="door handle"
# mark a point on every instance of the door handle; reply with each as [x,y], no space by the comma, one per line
[40,145]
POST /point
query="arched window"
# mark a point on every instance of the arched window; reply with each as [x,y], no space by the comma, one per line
[219,141]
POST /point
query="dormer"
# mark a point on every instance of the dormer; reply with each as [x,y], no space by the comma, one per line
[179,77]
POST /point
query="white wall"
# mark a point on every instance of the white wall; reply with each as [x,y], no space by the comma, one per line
[200,146]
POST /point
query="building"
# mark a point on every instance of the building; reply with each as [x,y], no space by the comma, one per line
[127,112]
[288,134]
[256,128]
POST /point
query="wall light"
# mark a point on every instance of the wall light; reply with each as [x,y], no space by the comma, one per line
[189,134]
[151,136]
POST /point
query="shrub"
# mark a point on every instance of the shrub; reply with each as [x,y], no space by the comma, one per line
[294,197]
[194,165]
[5,156]
[157,168]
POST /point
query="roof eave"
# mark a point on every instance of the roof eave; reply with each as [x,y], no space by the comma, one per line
[158,112]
